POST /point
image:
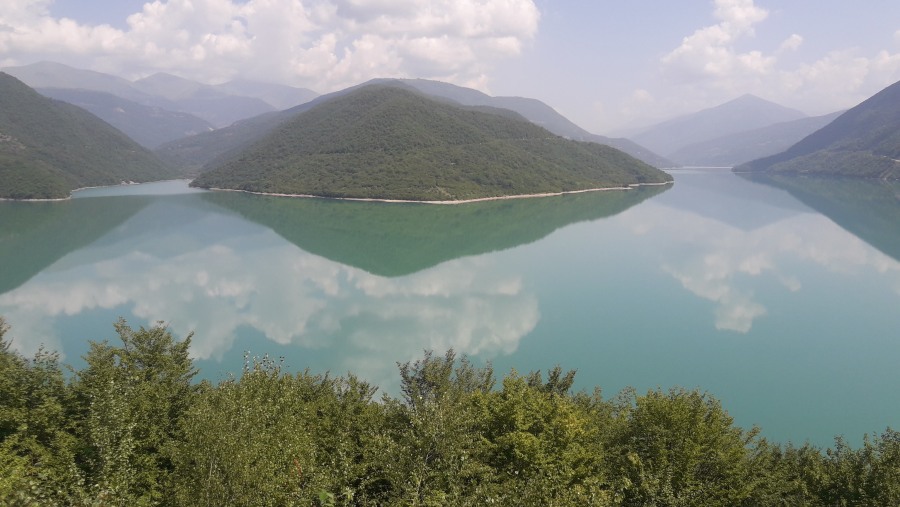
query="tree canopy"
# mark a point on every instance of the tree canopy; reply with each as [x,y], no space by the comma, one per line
[134,427]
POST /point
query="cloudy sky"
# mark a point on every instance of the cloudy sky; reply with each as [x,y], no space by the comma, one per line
[606,64]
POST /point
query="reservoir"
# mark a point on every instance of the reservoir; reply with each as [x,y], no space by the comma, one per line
[781,298]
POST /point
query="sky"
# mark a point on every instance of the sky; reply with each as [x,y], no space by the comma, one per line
[608,65]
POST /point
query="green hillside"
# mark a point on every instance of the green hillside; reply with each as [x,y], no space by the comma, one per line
[48,148]
[863,142]
[390,142]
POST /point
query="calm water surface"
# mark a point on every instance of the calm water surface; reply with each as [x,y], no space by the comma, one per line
[781,299]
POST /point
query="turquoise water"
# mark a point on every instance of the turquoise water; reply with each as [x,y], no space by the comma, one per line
[780,298]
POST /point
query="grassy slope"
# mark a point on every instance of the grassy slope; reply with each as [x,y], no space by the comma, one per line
[48,148]
[391,142]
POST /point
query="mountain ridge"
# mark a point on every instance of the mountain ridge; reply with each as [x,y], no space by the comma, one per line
[49,148]
[746,112]
[394,142]
[220,105]
[862,142]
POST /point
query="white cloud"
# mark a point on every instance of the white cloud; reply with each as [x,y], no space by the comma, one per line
[710,51]
[792,43]
[717,63]
[322,44]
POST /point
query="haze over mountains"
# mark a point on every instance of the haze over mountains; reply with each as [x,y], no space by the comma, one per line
[220,105]
[745,113]
[150,126]
[862,142]
[744,146]
[48,147]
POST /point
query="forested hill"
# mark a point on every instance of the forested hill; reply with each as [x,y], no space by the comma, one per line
[863,142]
[392,142]
[48,148]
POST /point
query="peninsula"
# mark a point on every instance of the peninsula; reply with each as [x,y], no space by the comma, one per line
[389,141]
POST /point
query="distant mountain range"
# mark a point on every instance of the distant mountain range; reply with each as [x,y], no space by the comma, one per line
[735,149]
[743,114]
[862,142]
[48,147]
[220,105]
[390,141]
[148,125]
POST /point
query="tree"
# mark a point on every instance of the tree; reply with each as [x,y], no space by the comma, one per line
[130,399]
[36,444]
[681,448]
[544,447]
[432,440]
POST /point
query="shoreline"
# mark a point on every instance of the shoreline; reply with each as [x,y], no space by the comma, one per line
[71,196]
[630,186]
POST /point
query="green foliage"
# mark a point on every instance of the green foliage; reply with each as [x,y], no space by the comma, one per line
[543,446]
[387,142]
[36,444]
[132,428]
[48,148]
[681,448]
[130,400]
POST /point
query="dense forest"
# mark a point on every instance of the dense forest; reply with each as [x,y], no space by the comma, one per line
[392,142]
[136,427]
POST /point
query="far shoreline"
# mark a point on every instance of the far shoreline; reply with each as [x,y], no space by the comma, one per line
[630,186]
[72,192]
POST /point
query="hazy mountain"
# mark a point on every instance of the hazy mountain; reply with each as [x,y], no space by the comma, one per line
[193,154]
[208,102]
[48,147]
[280,96]
[538,113]
[862,142]
[220,105]
[56,75]
[735,149]
[392,142]
[742,114]
[150,126]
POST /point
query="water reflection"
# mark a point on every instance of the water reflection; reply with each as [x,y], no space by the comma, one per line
[34,235]
[399,239]
[383,282]
[869,209]
[723,257]
[720,283]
